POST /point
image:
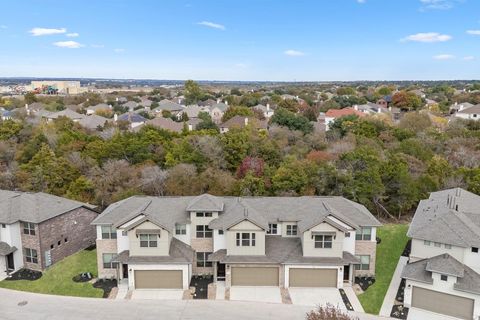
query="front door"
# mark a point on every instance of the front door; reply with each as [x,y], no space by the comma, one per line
[346,273]
[10,263]
[220,271]
[125,271]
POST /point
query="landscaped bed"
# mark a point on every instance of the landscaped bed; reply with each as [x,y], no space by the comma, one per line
[58,278]
[394,240]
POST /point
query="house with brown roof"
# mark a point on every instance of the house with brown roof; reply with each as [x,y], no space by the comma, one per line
[277,242]
[242,122]
[333,114]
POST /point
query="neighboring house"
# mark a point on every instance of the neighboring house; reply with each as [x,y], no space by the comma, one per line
[160,242]
[167,105]
[93,122]
[38,229]
[443,274]
[469,113]
[6,114]
[217,111]
[99,107]
[459,106]
[132,118]
[130,105]
[371,108]
[207,103]
[242,122]
[72,115]
[333,114]
[192,111]
[266,110]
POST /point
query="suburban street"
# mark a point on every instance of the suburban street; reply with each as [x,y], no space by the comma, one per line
[38,306]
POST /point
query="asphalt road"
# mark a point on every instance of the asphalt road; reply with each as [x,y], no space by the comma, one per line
[28,306]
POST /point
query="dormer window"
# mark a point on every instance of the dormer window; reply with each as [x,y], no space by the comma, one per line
[272,228]
[475,249]
[203,214]
[148,240]
[291,229]
[443,277]
[180,229]
[323,241]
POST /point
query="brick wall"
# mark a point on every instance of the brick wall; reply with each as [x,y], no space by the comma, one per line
[67,234]
[105,246]
[201,245]
[366,248]
[31,242]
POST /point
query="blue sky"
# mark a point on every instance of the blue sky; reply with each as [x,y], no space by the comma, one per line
[287,40]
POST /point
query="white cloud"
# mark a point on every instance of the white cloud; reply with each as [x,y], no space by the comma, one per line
[68,44]
[72,35]
[438,4]
[444,57]
[294,53]
[46,31]
[212,25]
[361,1]
[469,58]
[427,37]
[474,32]
[119,50]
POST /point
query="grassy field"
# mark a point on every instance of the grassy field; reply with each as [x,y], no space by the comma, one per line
[389,250]
[58,279]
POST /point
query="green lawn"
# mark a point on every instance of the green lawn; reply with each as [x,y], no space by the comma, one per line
[58,279]
[394,239]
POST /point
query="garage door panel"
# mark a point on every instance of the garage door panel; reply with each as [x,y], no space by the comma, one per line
[447,304]
[255,276]
[158,279]
[304,277]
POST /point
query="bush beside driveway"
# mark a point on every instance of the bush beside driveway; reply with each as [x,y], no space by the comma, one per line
[394,239]
[57,279]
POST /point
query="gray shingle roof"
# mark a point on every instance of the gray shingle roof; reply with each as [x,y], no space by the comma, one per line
[449,216]
[168,106]
[34,207]
[66,113]
[179,252]
[93,121]
[260,210]
[471,110]
[131,117]
[6,249]
[467,279]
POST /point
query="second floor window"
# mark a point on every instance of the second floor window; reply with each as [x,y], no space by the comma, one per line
[323,241]
[291,230]
[31,255]
[180,229]
[364,234]
[204,232]
[203,214]
[148,240]
[109,232]
[29,228]
[272,228]
[245,239]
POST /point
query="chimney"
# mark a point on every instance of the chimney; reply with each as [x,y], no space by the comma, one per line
[115,117]
[218,100]
[190,127]
[460,108]
[116,99]
[355,107]
[268,106]
[246,121]
[26,106]
[456,103]
[226,102]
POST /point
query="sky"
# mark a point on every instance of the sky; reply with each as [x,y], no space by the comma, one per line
[241,40]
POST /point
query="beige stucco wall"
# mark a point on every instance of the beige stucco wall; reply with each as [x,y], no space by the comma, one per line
[105,246]
[308,242]
[246,226]
[163,241]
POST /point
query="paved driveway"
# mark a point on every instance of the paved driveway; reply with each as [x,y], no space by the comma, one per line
[257,294]
[316,297]
[157,294]
[418,314]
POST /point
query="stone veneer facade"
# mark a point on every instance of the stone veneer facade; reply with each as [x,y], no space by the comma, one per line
[201,245]
[363,248]
[105,246]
